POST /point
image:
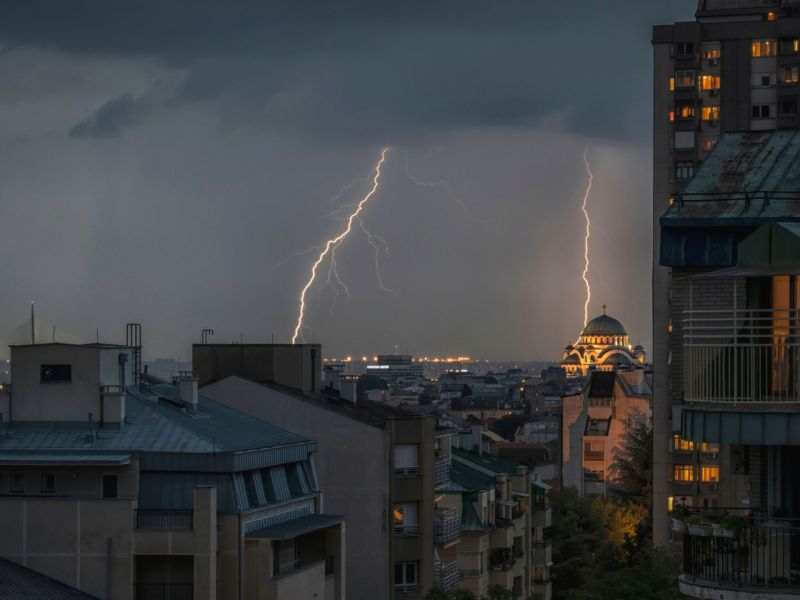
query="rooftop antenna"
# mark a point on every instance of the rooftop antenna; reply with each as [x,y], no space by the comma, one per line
[33,327]
[205,333]
[54,334]
[97,333]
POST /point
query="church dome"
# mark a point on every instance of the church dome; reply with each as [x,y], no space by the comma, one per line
[603,325]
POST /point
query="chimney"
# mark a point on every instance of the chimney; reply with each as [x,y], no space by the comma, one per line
[187,387]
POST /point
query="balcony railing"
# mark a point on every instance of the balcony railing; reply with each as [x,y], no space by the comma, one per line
[406,590]
[406,472]
[736,356]
[163,591]
[591,455]
[447,526]
[765,554]
[164,520]
[447,576]
[441,470]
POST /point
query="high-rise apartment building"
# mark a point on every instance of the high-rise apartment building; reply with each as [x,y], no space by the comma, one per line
[734,68]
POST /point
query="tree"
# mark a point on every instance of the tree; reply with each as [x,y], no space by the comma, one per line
[440,594]
[633,462]
[498,592]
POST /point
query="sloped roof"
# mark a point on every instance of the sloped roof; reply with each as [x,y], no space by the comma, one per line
[467,478]
[706,6]
[485,460]
[601,384]
[20,583]
[604,325]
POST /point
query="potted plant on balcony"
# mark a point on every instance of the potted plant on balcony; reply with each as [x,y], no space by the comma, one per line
[679,515]
[699,525]
[729,526]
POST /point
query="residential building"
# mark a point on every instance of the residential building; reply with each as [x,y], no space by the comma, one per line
[20,583]
[593,426]
[396,369]
[602,346]
[482,409]
[733,68]
[731,244]
[127,489]
[378,466]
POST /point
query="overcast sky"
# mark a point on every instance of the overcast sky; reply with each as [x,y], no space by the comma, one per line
[158,159]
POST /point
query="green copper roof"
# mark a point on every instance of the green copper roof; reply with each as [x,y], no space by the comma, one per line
[485,461]
[468,479]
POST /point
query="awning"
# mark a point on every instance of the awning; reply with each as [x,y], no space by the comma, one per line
[737,426]
[300,526]
[59,459]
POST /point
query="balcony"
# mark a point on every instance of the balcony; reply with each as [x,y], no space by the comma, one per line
[542,517]
[542,554]
[407,530]
[742,356]
[164,520]
[543,590]
[447,576]
[441,470]
[163,591]
[447,527]
[406,590]
[762,558]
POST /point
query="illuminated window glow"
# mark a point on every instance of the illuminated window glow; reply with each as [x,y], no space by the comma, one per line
[772,16]
[761,48]
[684,79]
[790,75]
[709,473]
[682,445]
[708,144]
[671,84]
[710,113]
[683,472]
[709,82]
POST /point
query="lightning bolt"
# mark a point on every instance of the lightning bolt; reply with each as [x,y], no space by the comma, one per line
[373,241]
[442,183]
[585,273]
[331,244]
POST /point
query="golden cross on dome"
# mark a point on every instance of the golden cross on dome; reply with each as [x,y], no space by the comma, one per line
[604,309]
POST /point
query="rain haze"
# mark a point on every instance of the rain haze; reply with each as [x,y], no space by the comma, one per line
[159,161]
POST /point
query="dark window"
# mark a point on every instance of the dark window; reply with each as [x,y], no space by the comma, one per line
[56,373]
[788,108]
[109,486]
[684,49]
[48,482]
[684,170]
[18,483]
[761,111]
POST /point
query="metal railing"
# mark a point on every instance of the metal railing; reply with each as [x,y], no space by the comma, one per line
[750,355]
[447,576]
[441,470]
[165,520]
[766,553]
[404,590]
[447,526]
[163,591]
[406,471]
[765,196]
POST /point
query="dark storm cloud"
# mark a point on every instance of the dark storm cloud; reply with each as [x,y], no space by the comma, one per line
[370,70]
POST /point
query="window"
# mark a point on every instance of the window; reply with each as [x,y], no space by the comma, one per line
[711,52]
[670,503]
[789,75]
[709,448]
[684,79]
[405,577]
[285,557]
[109,486]
[406,460]
[17,483]
[763,111]
[763,80]
[788,107]
[683,472]
[709,82]
[48,482]
[593,450]
[404,516]
[684,170]
[685,111]
[671,84]
[709,473]
[681,445]
[772,16]
[671,116]
[710,113]
[789,46]
[50,373]
[684,140]
[763,48]
[708,144]
[684,49]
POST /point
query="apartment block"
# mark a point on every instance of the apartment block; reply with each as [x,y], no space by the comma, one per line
[731,242]
[127,488]
[734,68]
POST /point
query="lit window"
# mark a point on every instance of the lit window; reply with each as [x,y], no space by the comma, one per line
[683,472]
[709,448]
[683,170]
[670,503]
[709,82]
[789,46]
[763,48]
[685,111]
[710,113]
[709,473]
[678,443]
[790,75]
[772,16]
[405,519]
[684,79]
[684,140]
[671,116]
[711,52]
[671,84]
[763,111]
[708,144]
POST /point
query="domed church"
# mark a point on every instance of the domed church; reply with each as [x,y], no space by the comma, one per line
[603,345]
